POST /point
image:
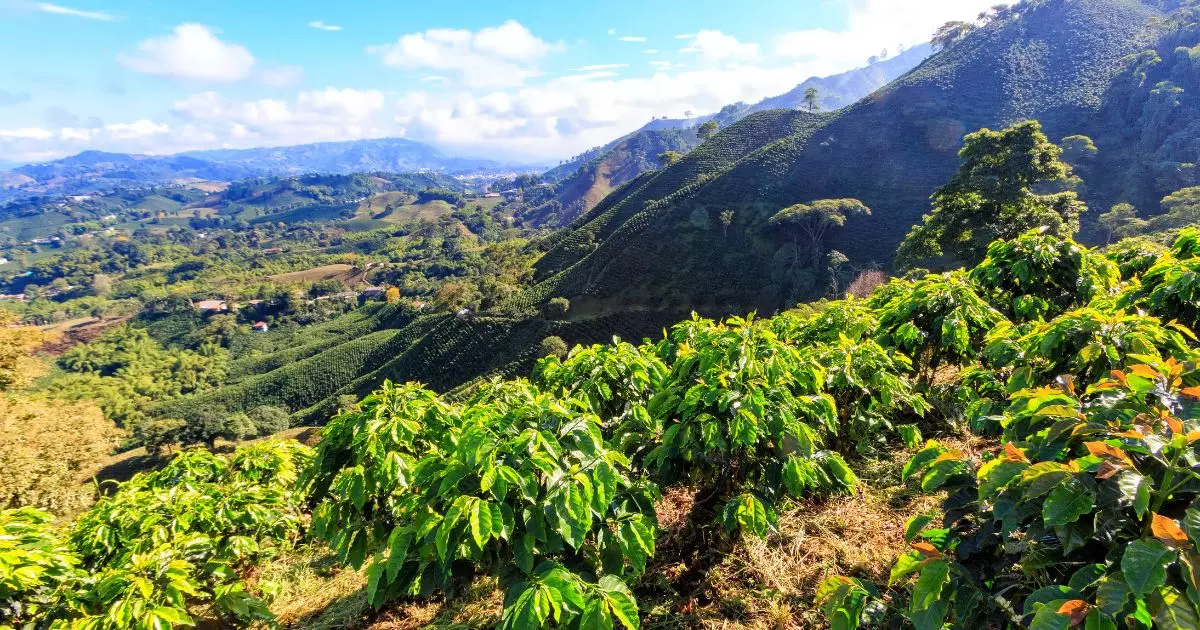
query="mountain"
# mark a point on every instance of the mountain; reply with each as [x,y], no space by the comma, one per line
[659,241]
[847,88]
[359,156]
[583,181]
[93,171]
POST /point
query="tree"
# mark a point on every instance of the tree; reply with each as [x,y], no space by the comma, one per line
[991,197]
[707,130]
[812,98]
[815,220]
[949,34]
[392,295]
[556,308]
[269,420]
[102,285]
[668,158]
[1182,209]
[1120,221]
[553,347]
[726,218]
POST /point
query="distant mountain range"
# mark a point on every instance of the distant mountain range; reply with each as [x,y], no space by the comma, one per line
[93,171]
[586,179]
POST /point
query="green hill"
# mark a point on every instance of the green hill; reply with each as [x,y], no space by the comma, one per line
[660,242]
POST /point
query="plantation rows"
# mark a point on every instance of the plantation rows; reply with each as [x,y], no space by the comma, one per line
[454,353]
[296,385]
[369,318]
[1079,369]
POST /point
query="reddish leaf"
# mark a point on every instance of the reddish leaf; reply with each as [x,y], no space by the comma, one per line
[1076,609]
[1168,531]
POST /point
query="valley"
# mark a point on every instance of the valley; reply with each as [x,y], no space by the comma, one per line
[909,345]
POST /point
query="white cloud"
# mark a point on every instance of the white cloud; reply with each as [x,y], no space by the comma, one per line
[318,24]
[874,25]
[612,31]
[479,96]
[651,51]
[58,9]
[191,51]
[494,56]
[138,129]
[717,46]
[632,38]
[27,133]
[602,66]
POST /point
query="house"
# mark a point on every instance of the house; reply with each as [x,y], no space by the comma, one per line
[261,327]
[373,292]
[212,306]
[346,295]
[491,195]
[273,250]
[463,313]
[419,305]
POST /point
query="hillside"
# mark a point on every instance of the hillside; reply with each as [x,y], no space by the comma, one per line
[584,180]
[660,243]
[93,171]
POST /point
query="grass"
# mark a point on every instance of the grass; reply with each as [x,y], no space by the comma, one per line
[771,583]
[376,207]
[316,274]
[315,592]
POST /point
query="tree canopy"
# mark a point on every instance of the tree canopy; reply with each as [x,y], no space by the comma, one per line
[992,197]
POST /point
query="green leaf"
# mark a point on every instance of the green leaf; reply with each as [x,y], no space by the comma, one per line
[595,616]
[1144,565]
[928,589]
[623,607]
[374,572]
[523,553]
[996,474]
[1067,503]
[910,435]
[481,522]
[1173,610]
[915,525]
[1111,594]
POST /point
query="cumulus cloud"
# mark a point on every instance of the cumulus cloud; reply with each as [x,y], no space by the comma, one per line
[873,25]
[494,56]
[318,24]
[191,51]
[58,9]
[717,46]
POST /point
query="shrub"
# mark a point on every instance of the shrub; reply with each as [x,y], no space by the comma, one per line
[1037,276]
[552,347]
[865,283]
[269,420]
[556,308]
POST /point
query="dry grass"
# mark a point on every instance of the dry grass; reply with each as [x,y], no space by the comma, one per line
[771,583]
[337,271]
[315,592]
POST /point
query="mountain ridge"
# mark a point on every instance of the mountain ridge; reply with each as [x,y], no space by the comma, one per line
[661,243]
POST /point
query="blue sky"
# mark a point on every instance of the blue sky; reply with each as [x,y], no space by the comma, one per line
[535,80]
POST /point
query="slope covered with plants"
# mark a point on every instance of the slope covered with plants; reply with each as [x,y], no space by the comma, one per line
[1055,60]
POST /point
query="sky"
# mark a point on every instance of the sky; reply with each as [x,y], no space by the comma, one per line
[533,80]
